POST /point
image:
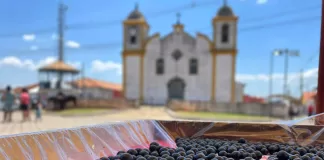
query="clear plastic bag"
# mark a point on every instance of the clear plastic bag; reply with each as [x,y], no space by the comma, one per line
[93,142]
[83,143]
[301,131]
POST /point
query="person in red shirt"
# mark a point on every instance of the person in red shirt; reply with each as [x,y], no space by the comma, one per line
[24,104]
[310,110]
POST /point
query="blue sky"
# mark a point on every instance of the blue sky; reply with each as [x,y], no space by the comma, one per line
[263,26]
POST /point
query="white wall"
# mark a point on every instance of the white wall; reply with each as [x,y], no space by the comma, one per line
[34,90]
[132,74]
[97,93]
[197,86]
[239,92]
[223,77]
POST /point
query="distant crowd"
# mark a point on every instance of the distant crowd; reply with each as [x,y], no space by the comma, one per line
[23,100]
[294,112]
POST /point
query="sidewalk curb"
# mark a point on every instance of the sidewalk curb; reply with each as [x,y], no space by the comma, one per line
[83,115]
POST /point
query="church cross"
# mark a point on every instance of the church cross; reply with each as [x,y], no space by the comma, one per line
[225,2]
[136,6]
[178,18]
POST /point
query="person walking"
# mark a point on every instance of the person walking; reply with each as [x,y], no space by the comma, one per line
[24,104]
[38,111]
[291,112]
[9,99]
[310,110]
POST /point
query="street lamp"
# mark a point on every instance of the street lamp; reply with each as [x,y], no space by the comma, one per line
[287,53]
[274,53]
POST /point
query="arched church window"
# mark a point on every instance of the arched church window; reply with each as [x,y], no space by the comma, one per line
[225,33]
[193,66]
[159,66]
[132,35]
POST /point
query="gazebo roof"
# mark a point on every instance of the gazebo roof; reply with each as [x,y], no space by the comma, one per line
[58,66]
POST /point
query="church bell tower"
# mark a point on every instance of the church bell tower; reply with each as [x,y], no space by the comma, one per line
[224,54]
[135,32]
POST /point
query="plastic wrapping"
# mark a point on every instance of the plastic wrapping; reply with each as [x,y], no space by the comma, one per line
[93,142]
[301,131]
[83,143]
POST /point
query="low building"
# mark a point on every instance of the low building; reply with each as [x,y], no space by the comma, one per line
[308,98]
[91,88]
[32,88]
[252,99]
[96,89]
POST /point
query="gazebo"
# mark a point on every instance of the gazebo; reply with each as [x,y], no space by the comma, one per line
[57,70]
[51,86]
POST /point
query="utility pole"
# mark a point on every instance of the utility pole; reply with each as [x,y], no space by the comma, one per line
[285,88]
[61,26]
[301,87]
[287,53]
[271,77]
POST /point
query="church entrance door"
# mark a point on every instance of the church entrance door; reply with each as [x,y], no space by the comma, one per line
[176,88]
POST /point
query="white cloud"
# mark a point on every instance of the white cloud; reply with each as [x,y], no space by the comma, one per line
[100,66]
[29,37]
[54,36]
[73,44]
[261,1]
[30,64]
[311,73]
[34,48]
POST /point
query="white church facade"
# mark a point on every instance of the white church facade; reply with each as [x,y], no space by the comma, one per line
[180,66]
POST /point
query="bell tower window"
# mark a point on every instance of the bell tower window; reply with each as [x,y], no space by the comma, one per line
[132,35]
[225,33]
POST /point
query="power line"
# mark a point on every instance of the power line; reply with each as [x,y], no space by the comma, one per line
[157,14]
[284,13]
[302,71]
[310,59]
[242,30]
[282,23]
[189,6]
[87,25]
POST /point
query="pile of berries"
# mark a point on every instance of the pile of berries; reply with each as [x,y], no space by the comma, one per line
[215,149]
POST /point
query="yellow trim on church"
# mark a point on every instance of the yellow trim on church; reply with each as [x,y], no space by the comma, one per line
[233,87]
[141,78]
[213,79]
[233,99]
[224,19]
[138,52]
[179,27]
[215,52]
[233,54]
[124,75]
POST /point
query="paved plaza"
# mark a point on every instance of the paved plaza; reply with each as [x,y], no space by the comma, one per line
[51,122]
